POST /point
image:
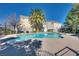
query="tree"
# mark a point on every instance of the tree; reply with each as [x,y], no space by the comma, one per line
[5,24]
[37,19]
[72,20]
[12,21]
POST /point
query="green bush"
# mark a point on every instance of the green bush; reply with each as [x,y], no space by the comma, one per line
[1,31]
[50,30]
[7,31]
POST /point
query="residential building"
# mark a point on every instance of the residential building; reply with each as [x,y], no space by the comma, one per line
[24,24]
[52,25]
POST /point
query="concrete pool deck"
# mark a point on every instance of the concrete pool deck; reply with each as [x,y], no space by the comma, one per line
[54,45]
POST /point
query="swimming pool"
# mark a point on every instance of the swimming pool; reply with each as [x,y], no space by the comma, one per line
[35,35]
[40,35]
[25,37]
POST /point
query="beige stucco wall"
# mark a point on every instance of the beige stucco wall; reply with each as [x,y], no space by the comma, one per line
[25,23]
[53,25]
[57,26]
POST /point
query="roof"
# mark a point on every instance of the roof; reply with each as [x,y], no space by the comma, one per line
[52,21]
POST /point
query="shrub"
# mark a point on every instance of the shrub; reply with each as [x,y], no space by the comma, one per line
[50,30]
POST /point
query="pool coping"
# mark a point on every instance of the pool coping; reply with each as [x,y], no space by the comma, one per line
[8,36]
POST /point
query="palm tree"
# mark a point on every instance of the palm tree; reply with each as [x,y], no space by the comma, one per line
[37,19]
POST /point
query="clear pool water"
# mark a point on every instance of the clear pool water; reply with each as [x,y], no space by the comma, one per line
[36,35]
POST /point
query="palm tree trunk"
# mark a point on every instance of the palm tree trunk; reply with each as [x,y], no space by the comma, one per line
[37,30]
[14,29]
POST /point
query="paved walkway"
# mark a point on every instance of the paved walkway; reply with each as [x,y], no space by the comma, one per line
[54,45]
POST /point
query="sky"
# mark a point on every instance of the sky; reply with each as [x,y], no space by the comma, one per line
[52,11]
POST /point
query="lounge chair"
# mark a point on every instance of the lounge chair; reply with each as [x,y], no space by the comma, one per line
[67,50]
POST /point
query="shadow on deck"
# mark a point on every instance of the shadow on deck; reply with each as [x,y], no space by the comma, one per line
[77,34]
